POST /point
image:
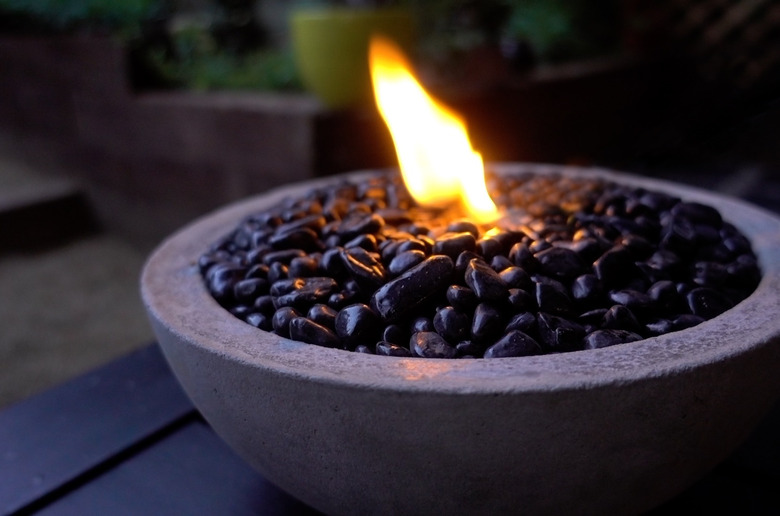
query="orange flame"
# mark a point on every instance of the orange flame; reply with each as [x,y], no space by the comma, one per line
[437,162]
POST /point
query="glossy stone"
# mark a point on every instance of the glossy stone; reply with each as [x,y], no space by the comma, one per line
[559,334]
[560,263]
[462,298]
[405,261]
[707,303]
[452,244]
[451,324]
[428,344]
[604,338]
[615,266]
[403,294]
[306,330]
[552,296]
[513,344]
[364,267]
[357,324]
[302,293]
[390,349]
[484,281]
[487,322]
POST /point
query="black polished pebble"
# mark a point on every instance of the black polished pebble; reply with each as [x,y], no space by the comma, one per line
[308,331]
[552,296]
[323,314]
[281,320]
[364,267]
[520,300]
[620,317]
[462,298]
[587,289]
[304,239]
[452,244]
[524,322]
[302,293]
[560,263]
[421,324]
[522,256]
[514,344]
[390,349]
[707,302]
[615,267]
[406,292]
[356,324]
[636,301]
[428,344]
[221,281]
[395,334]
[247,290]
[659,326]
[451,324]
[665,297]
[574,264]
[487,322]
[516,277]
[558,334]
[486,283]
[501,263]
[359,224]
[404,261]
[686,321]
[610,337]
[259,320]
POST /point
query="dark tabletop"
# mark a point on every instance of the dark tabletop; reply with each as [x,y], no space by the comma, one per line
[124,439]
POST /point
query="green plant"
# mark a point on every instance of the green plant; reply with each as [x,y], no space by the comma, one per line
[124,17]
[561,30]
[555,30]
[199,63]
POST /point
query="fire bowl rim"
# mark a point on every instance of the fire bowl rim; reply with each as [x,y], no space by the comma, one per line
[177,301]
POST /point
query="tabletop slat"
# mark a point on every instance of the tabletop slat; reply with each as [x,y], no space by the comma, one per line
[124,439]
[191,471]
[57,437]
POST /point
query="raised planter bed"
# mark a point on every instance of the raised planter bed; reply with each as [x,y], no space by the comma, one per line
[152,161]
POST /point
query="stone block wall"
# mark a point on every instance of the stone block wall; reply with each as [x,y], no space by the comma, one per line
[153,161]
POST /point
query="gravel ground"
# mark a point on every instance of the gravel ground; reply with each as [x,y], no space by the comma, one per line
[66,311]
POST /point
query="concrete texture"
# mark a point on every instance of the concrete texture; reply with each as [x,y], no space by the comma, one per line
[349,433]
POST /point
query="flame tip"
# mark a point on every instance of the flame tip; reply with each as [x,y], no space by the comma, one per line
[437,161]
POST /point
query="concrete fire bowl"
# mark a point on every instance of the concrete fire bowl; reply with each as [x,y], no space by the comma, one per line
[616,430]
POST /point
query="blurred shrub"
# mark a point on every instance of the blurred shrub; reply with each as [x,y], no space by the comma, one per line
[198,62]
[124,17]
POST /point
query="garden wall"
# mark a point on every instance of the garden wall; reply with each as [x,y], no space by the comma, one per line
[153,161]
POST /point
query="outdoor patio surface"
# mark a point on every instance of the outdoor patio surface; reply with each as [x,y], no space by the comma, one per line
[65,309]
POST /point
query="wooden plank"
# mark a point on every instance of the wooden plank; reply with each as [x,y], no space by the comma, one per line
[125,440]
[50,441]
[191,471]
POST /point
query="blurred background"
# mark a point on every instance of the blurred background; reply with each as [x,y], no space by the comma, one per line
[122,120]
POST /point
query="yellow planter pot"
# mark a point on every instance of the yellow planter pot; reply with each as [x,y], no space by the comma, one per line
[331,49]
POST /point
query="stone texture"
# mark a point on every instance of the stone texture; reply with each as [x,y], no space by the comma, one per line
[634,423]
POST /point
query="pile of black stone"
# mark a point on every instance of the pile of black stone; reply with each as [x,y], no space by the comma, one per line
[573,264]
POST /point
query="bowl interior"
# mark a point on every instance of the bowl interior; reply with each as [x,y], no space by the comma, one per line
[725,335]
